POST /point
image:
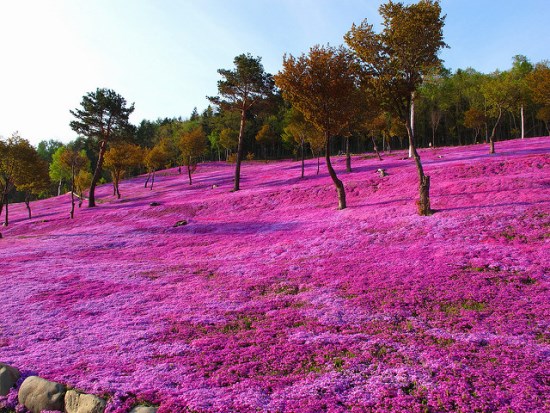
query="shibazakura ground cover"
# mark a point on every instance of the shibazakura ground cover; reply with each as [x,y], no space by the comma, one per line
[271,300]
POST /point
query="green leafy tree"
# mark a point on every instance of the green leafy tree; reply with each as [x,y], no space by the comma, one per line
[323,86]
[396,60]
[57,171]
[103,116]
[521,68]
[192,146]
[229,139]
[239,90]
[299,131]
[119,159]
[498,90]
[74,161]
[46,149]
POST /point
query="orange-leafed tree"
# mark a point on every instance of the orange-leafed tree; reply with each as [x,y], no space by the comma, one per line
[192,145]
[323,85]
[119,159]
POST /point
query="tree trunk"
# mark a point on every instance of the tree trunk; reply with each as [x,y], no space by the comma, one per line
[189,171]
[424,207]
[348,156]
[97,174]
[337,183]
[303,158]
[376,148]
[72,192]
[28,203]
[152,180]
[6,202]
[147,180]
[117,189]
[59,187]
[240,151]
[522,123]
[411,132]
[492,137]
[318,162]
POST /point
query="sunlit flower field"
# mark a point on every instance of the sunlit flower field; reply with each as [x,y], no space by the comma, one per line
[269,299]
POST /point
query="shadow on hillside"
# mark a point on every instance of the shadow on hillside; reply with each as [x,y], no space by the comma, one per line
[496,157]
[507,204]
[384,203]
[235,228]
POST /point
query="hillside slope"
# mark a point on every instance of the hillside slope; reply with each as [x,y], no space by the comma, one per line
[271,300]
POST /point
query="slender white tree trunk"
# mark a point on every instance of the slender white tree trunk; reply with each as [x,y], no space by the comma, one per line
[412,124]
[522,123]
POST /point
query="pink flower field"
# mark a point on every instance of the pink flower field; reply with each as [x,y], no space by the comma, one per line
[269,299]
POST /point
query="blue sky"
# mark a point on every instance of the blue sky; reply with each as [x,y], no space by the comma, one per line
[163,54]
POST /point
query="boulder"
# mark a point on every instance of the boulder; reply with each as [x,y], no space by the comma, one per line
[83,403]
[144,409]
[180,223]
[8,377]
[38,394]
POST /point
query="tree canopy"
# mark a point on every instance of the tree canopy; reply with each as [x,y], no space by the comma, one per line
[323,85]
[103,116]
[239,90]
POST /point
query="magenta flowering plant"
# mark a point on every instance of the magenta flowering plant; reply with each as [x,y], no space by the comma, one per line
[269,299]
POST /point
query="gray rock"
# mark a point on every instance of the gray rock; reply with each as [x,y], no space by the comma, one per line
[144,409]
[83,403]
[38,394]
[8,377]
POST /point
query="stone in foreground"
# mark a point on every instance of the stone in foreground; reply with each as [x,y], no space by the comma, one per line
[83,403]
[8,377]
[38,394]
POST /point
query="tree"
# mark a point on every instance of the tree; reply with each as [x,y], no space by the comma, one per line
[300,131]
[192,146]
[16,159]
[520,70]
[155,159]
[83,180]
[323,86]
[33,179]
[269,134]
[538,82]
[434,95]
[396,61]
[46,149]
[74,161]
[239,90]
[475,119]
[120,158]
[498,90]
[103,116]
[229,140]
[58,173]
[543,114]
